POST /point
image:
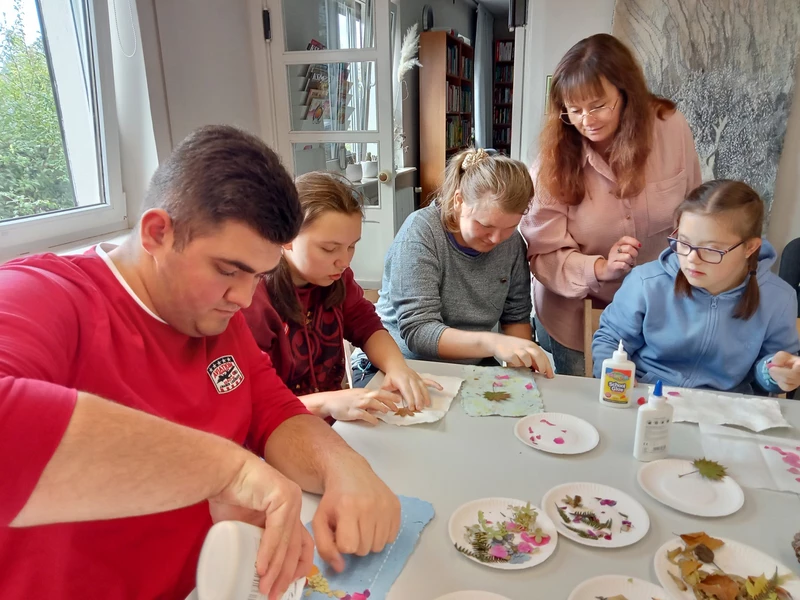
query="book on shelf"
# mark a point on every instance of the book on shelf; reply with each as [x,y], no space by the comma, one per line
[504,51]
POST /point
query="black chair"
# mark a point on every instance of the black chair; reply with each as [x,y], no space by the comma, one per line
[790,267]
[790,272]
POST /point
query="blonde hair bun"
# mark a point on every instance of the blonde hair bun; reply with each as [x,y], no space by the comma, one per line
[474,158]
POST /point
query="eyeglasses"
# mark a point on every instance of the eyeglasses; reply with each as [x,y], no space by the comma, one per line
[709,255]
[601,112]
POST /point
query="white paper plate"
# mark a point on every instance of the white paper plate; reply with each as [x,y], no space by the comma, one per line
[589,492]
[691,494]
[472,595]
[493,510]
[608,586]
[734,558]
[557,433]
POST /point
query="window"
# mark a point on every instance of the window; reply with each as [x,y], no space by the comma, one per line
[59,154]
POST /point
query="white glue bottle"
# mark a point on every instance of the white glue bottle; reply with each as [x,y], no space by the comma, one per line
[226,569]
[618,376]
[653,423]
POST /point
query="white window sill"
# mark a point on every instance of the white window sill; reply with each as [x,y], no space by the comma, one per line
[81,246]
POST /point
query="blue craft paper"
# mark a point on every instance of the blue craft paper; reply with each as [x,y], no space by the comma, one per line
[378,572]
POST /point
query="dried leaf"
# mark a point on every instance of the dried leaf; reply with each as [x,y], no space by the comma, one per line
[704,553]
[720,586]
[405,412]
[678,581]
[496,396]
[709,469]
[694,539]
[689,566]
[674,553]
[756,586]
[573,502]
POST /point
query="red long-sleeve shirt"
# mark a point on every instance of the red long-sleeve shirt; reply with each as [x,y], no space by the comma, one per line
[70,324]
[310,357]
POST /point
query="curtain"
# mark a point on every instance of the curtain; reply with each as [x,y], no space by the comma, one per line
[484,33]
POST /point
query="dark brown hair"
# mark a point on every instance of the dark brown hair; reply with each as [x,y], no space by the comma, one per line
[319,193]
[480,177]
[744,211]
[221,173]
[578,76]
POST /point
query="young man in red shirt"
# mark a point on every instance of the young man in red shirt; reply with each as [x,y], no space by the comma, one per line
[129,383]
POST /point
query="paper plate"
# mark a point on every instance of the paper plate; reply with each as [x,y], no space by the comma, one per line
[496,510]
[557,433]
[734,558]
[606,503]
[608,586]
[472,595]
[691,494]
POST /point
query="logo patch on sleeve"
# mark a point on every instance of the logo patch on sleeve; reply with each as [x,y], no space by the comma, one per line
[225,374]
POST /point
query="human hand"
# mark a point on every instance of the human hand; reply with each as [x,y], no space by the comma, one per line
[358,513]
[412,387]
[518,352]
[359,404]
[621,259]
[784,368]
[286,551]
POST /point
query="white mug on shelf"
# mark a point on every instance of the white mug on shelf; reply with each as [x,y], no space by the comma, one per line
[354,172]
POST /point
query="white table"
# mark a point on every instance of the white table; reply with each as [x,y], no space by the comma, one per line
[462,458]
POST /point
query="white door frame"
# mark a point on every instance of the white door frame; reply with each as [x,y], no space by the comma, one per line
[273,100]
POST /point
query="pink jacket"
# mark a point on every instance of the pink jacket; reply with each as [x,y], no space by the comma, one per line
[565,241]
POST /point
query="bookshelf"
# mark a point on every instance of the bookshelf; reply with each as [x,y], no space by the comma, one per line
[446,119]
[502,94]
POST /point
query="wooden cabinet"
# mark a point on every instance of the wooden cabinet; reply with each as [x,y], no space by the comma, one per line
[446,103]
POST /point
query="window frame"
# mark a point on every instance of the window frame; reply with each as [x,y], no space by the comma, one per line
[44,231]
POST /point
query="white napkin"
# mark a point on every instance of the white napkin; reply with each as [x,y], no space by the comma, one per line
[440,401]
[755,461]
[709,408]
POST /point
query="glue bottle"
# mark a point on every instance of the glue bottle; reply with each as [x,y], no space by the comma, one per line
[618,376]
[653,423]
[226,569]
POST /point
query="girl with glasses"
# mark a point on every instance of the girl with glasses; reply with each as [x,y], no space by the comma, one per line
[615,161]
[708,313]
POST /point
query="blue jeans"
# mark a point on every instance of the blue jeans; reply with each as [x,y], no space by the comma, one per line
[567,361]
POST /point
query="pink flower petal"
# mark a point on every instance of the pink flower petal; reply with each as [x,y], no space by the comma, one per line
[529,386]
[558,440]
[563,431]
[525,547]
[673,393]
[545,421]
[499,551]
[530,430]
[794,471]
[538,437]
[502,377]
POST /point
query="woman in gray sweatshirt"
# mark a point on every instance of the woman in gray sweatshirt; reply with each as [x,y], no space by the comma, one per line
[457,268]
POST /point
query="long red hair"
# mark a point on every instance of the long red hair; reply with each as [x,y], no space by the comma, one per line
[579,76]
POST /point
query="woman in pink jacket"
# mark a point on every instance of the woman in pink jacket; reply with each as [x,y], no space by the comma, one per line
[615,161]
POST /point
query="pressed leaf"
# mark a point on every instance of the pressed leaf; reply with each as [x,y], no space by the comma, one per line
[720,586]
[709,469]
[689,566]
[405,412]
[703,553]
[496,396]
[701,537]
[678,581]
[674,553]
[573,502]
[756,586]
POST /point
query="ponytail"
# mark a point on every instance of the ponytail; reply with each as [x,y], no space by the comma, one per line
[748,303]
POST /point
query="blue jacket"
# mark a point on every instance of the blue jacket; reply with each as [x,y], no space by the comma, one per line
[696,342]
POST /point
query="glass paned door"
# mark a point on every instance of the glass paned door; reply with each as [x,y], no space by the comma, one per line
[332,80]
